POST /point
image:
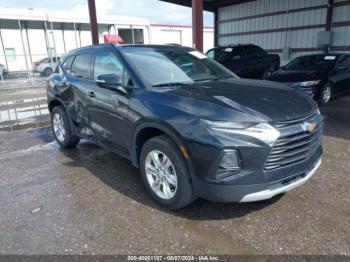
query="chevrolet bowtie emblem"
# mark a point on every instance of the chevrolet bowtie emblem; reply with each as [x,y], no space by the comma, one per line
[309,126]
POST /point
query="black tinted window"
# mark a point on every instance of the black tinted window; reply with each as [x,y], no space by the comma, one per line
[81,66]
[344,62]
[238,53]
[250,51]
[260,51]
[311,63]
[221,54]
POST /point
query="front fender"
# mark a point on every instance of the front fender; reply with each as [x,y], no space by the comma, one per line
[166,129]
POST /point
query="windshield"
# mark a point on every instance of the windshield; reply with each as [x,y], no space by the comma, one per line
[167,66]
[311,63]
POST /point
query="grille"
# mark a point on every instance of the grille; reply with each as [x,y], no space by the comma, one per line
[294,144]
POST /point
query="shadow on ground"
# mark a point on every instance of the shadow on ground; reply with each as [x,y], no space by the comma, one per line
[337,118]
[119,174]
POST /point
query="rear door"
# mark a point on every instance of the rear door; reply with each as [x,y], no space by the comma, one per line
[108,108]
[78,69]
[251,62]
[264,60]
[238,62]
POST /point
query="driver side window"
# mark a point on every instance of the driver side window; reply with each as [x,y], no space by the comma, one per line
[107,63]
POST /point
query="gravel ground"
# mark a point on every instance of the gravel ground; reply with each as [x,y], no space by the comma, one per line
[89,201]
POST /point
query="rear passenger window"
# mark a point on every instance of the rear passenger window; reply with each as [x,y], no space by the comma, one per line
[81,66]
[238,53]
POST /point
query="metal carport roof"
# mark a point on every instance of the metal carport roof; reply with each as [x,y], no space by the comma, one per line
[209,5]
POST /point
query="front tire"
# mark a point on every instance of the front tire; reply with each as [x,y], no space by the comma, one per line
[164,173]
[61,128]
[325,95]
[269,70]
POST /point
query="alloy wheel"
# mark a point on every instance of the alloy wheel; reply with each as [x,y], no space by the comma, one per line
[58,127]
[161,175]
[326,95]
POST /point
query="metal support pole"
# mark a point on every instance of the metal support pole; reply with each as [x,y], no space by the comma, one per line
[64,40]
[79,34]
[54,42]
[29,50]
[149,34]
[93,21]
[3,49]
[329,20]
[197,24]
[132,34]
[24,49]
[216,27]
[75,35]
[48,44]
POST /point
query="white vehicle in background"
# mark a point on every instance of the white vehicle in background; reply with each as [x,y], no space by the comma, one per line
[45,67]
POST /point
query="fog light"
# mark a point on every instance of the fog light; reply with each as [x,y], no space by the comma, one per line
[230,160]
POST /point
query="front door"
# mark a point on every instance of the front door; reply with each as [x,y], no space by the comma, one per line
[108,108]
[341,76]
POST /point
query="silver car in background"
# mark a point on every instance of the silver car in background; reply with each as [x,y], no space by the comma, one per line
[45,66]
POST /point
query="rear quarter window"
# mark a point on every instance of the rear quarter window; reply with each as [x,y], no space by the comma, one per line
[81,66]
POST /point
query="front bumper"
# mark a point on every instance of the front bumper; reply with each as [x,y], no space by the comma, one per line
[280,188]
[297,176]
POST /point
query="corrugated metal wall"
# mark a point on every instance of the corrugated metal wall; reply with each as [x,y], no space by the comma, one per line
[341,35]
[275,24]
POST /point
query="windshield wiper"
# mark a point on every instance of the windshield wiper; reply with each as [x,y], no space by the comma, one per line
[170,84]
[213,79]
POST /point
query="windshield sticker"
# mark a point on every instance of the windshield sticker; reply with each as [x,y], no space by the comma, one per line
[198,55]
[229,49]
[330,57]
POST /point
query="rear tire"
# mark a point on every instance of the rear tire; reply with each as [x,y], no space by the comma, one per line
[61,128]
[48,71]
[326,94]
[164,173]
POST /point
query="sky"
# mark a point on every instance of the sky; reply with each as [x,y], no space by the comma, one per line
[156,11]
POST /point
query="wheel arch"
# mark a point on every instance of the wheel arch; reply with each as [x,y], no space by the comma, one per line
[147,130]
[141,135]
[53,103]
[56,101]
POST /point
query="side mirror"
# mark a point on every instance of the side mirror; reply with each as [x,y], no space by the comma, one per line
[56,81]
[111,81]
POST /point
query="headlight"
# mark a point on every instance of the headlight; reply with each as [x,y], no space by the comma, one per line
[309,83]
[262,131]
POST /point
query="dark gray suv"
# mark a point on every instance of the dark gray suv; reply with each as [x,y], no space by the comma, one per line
[192,127]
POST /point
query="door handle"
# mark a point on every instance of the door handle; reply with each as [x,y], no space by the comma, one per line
[91,94]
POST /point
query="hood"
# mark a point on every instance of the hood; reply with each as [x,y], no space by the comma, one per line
[295,76]
[239,100]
